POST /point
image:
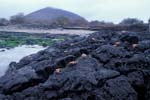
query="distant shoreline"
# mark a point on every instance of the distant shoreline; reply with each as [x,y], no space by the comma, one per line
[81,32]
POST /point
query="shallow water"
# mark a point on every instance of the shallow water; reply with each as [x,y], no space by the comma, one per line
[15,54]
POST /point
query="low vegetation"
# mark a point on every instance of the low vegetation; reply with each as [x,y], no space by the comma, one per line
[10,40]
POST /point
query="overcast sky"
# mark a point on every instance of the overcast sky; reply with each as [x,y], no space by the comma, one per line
[107,10]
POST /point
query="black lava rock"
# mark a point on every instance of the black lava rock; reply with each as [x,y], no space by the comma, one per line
[84,68]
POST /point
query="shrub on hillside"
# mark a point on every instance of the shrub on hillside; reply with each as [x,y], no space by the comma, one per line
[17,19]
[131,21]
[3,22]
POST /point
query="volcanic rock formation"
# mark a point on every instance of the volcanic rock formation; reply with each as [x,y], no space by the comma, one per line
[103,66]
[50,15]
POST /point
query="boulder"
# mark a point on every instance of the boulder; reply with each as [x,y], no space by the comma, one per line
[131,38]
[19,80]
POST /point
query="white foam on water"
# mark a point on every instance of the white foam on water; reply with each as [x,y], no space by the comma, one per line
[15,54]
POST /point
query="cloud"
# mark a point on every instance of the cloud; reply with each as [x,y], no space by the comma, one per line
[109,10]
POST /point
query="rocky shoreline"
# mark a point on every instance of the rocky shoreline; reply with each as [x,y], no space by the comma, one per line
[106,65]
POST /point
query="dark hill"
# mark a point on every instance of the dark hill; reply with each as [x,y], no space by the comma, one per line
[50,15]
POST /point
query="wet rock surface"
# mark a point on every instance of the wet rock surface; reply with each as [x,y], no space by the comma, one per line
[103,66]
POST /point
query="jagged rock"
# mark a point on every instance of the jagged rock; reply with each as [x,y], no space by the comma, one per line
[131,38]
[118,89]
[109,53]
[84,76]
[12,67]
[19,80]
[83,68]
[136,79]
[144,45]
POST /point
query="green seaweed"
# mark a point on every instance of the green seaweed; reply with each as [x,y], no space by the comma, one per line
[15,39]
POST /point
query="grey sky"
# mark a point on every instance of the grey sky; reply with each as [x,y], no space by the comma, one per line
[108,10]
